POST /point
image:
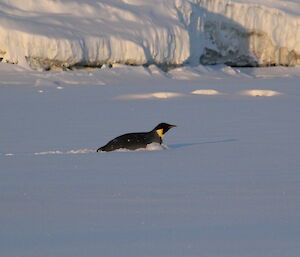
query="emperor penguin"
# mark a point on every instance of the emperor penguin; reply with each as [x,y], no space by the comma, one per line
[133,141]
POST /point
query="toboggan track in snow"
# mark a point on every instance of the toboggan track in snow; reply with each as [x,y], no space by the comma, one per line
[151,147]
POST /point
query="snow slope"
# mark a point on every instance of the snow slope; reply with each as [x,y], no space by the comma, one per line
[52,34]
[227,186]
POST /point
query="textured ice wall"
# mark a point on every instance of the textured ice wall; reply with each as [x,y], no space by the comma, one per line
[49,34]
[66,33]
[250,34]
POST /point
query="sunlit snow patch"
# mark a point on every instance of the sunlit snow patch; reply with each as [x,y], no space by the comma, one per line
[230,71]
[7,154]
[206,92]
[76,151]
[156,95]
[259,92]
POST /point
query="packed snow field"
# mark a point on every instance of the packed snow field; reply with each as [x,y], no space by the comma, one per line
[226,181]
[227,184]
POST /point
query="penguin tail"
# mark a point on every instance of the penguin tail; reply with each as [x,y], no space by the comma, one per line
[99,149]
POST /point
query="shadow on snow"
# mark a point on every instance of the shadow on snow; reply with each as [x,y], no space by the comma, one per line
[175,146]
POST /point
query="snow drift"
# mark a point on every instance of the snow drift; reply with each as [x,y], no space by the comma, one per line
[52,34]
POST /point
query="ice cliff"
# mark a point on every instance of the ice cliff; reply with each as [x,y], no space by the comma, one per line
[49,34]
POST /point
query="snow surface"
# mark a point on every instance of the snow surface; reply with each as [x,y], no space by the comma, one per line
[48,34]
[228,184]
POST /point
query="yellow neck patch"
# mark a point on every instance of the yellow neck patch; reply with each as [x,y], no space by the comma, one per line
[160,132]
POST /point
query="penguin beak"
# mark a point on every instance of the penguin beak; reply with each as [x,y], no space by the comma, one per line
[172,126]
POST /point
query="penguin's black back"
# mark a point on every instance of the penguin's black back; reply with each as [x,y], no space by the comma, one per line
[131,141]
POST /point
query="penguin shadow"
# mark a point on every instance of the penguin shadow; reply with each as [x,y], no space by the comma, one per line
[176,146]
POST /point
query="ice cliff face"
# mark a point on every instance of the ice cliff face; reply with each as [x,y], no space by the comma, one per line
[250,34]
[55,34]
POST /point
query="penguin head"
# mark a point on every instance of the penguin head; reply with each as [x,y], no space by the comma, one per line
[162,128]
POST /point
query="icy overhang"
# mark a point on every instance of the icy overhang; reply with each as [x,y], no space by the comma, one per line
[61,34]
